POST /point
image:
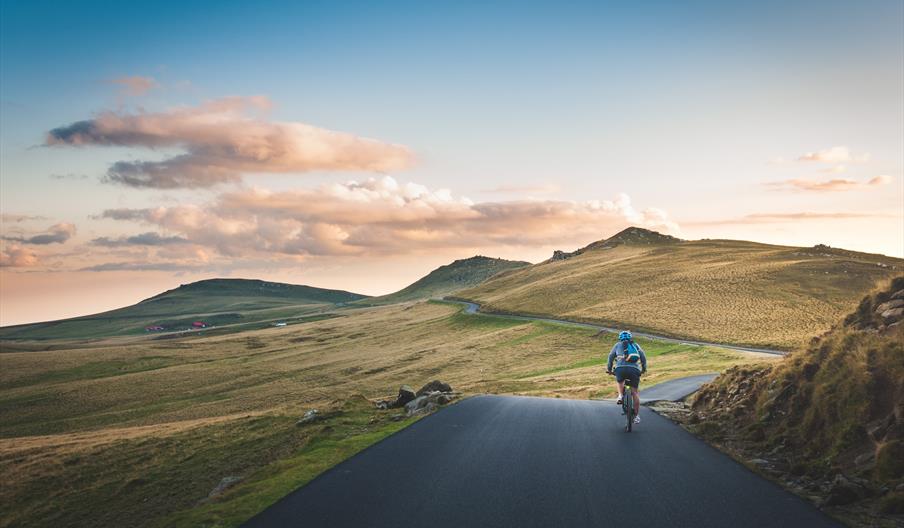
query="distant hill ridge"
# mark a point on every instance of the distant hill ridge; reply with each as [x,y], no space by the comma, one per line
[450,278]
[225,287]
[630,236]
[213,302]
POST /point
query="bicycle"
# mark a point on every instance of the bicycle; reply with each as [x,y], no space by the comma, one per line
[628,404]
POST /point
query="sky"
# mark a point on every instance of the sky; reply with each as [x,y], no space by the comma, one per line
[359,145]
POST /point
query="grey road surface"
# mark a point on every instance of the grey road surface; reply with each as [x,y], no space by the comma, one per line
[474,308]
[497,461]
[674,390]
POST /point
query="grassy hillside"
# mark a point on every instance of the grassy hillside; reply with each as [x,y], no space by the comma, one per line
[449,279]
[138,434]
[217,302]
[835,407]
[723,291]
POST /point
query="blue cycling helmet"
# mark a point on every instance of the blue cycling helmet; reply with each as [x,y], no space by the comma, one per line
[624,335]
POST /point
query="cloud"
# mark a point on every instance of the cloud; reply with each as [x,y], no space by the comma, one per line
[135,86]
[770,218]
[384,217]
[839,154]
[18,218]
[882,179]
[56,234]
[144,266]
[69,176]
[16,256]
[835,184]
[144,239]
[223,140]
[525,189]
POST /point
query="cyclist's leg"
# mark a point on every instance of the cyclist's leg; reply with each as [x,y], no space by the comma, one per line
[620,382]
[635,390]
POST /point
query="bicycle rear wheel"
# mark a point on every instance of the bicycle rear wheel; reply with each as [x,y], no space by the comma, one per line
[629,409]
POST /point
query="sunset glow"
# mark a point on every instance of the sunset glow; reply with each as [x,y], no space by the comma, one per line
[359,148]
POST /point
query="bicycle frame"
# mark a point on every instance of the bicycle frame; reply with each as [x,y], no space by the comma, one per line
[628,404]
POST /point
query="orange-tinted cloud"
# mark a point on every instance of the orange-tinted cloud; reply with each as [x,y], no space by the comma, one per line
[769,218]
[839,154]
[835,184]
[135,85]
[381,217]
[18,257]
[223,140]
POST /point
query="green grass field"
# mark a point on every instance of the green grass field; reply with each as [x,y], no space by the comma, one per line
[148,429]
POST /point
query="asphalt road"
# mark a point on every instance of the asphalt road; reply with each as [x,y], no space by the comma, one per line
[503,461]
[673,390]
[474,308]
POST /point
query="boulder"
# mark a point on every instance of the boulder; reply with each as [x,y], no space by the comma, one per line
[894,303]
[434,386]
[406,394]
[311,416]
[415,404]
[893,314]
[843,491]
[225,484]
[758,462]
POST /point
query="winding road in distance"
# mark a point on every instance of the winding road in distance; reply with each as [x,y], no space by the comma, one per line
[522,462]
[474,309]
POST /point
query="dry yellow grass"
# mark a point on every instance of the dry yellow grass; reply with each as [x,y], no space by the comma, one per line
[712,290]
[181,414]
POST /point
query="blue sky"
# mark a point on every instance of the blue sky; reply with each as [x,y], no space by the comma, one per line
[699,109]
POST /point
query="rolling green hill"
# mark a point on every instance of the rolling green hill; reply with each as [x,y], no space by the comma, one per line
[449,279]
[724,291]
[215,302]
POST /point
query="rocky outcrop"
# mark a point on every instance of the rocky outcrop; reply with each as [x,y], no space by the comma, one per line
[426,400]
[561,255]
[881,311]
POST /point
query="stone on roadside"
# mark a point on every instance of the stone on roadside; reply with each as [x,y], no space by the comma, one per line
[406,394]
[415,404]
[434,386]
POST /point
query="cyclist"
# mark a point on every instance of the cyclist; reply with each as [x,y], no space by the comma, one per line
[630,363]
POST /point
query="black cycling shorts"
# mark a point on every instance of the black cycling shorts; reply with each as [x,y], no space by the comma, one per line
[629,374]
